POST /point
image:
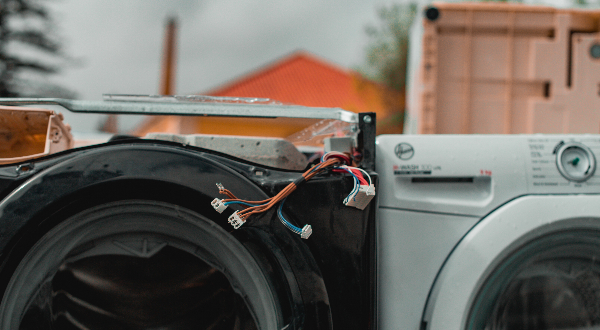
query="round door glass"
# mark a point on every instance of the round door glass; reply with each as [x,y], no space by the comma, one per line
[550,283]
[139,265]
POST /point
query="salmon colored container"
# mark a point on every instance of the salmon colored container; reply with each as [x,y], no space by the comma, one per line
[27,133]
[508,68]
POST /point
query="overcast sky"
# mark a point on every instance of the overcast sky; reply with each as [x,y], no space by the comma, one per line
[120,42]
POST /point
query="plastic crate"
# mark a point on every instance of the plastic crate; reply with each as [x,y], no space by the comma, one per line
[508,68]
[27,133]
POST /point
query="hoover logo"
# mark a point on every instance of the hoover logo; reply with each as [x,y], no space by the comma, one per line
[404,151]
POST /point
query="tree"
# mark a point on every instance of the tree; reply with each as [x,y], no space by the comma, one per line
[386,61]
[387,52]
[29,51]
[585,3]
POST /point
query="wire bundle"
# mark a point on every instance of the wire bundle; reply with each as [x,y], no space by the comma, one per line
[265,205]
[359,180]
[336,160]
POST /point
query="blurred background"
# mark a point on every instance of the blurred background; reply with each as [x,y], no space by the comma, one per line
[354,52]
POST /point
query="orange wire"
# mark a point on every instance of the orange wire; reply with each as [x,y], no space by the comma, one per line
[269,203]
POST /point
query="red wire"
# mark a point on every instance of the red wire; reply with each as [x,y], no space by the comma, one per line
[357,173]
[360,177]
[344,158]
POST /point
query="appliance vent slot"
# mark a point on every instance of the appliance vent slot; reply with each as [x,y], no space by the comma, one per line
[443,180]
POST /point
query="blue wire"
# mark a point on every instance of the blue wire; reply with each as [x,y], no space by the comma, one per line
[244,203]
[315,167]
[356,180]
[285,222]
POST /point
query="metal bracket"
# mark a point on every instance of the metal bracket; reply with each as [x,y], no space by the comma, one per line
[366,139]
[189,106]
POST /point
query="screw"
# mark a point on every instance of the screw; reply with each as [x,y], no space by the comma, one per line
[367,119]
[432,13]
[24,168]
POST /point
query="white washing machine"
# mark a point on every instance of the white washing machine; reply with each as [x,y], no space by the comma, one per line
[488,232]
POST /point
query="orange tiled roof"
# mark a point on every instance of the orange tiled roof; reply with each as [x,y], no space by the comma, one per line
[299,78]
[303,79]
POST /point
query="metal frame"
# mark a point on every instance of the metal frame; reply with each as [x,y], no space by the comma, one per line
[366,139]
[225,107]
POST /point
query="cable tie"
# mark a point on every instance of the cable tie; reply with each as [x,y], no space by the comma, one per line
[299,181]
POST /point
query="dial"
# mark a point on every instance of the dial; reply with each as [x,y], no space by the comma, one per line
[575,161]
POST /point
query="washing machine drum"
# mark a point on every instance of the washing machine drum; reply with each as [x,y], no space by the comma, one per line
[139,265]
[552,283]
[528,265]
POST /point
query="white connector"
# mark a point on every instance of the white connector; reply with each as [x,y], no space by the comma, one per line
[235,220]
[306,231]
[218,205]
[362,197]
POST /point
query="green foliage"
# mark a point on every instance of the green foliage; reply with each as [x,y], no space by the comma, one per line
[586,3]
[29,52]
[387,52]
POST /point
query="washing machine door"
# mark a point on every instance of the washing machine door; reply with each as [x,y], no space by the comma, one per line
[142,265]
[534,263]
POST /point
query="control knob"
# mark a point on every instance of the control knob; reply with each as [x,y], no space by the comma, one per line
[575,161]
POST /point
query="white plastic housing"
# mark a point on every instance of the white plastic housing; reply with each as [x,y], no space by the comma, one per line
[218,205]
[306,231]
[235,220]
[362,197]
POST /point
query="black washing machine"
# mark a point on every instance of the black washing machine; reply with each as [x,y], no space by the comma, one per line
[122,235]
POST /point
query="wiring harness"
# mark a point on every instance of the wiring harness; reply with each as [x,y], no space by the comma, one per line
[360,196]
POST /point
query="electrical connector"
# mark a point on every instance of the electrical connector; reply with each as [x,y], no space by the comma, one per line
[362,197]
[235,220]
[220,187]
[218,205]
[306,231]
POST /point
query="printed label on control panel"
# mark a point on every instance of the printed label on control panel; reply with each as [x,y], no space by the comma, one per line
[415,169]
[545,184]
[485,172]
[543,172]
[543,164]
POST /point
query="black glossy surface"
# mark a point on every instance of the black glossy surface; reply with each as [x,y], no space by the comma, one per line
[327,279]
[366,139]
[170,290]
[340,244]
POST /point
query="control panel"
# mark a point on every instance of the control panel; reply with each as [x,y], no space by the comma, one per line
[563,162]
[473,174]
